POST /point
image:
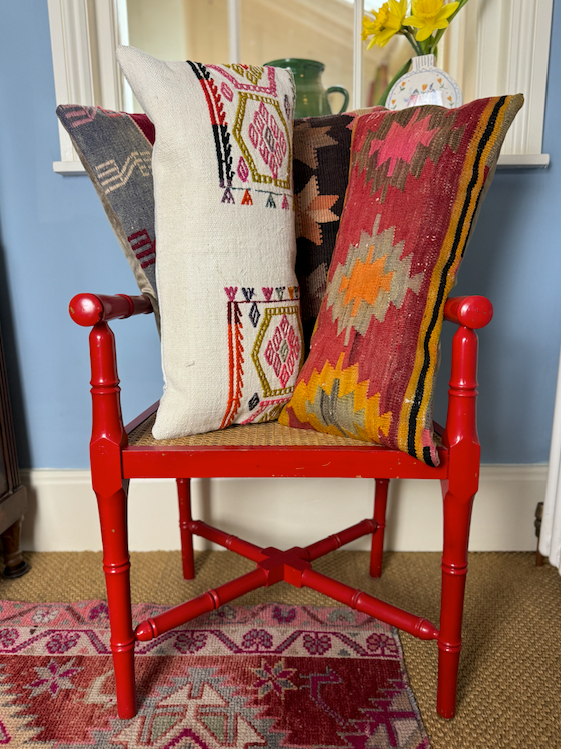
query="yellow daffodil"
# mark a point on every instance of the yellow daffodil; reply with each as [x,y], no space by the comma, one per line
[428,15]
[386,23]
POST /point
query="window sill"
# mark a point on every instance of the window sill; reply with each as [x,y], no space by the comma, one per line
[523,161]
[68,168]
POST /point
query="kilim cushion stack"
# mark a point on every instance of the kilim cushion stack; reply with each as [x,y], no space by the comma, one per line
[417,177]
[224,206]
[116,151]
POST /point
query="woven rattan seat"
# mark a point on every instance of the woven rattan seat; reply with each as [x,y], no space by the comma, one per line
[269,434]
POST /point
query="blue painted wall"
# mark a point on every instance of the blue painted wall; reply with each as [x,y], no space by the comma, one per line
[55,241]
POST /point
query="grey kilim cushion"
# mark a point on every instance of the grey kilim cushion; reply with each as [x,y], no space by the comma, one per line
[116,151]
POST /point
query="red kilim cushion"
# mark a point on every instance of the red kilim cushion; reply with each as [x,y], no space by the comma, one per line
[416,181]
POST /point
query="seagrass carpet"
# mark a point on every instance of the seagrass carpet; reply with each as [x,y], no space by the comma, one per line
[509,693]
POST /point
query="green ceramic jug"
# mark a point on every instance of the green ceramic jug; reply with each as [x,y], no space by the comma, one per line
[311,97]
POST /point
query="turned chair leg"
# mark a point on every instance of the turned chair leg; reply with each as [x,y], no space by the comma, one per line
[185,518]
[538,526]
[16,566]
[380,501]
[116,565]
[457,518]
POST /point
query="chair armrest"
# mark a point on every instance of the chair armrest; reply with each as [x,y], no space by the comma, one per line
[89,309]
[470,311]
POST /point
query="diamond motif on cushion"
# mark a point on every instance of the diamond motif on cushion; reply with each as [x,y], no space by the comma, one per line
[373,276]
[261,132]
[249,78]
[284,350]
[277,351]
[253,401]
[254,315]
[390,157]
[251,72]
[267,138]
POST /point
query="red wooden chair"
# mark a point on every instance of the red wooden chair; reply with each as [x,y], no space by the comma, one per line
[120,453]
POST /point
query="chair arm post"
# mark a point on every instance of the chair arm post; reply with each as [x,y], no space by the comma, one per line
[461,422]
[108,432]
[89,309]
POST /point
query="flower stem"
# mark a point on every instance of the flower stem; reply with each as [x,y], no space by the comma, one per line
[412,41]
[397,76]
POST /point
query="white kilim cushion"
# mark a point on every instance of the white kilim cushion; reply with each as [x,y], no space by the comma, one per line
[229,299]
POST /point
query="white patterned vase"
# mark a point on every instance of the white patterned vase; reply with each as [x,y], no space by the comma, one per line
[425,84]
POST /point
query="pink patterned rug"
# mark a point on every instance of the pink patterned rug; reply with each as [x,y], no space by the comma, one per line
[241,677]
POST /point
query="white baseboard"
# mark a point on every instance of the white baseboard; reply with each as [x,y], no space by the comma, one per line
[62,512]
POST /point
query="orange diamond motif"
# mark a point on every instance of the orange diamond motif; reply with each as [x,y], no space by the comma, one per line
[374,275]
[366,280]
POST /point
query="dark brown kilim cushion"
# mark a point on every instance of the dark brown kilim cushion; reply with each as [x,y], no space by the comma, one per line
[322,147]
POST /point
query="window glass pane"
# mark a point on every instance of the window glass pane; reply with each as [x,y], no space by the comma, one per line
[159,28]
[319,30]
[206,24]
[369,4]
[380,65]
[179,30]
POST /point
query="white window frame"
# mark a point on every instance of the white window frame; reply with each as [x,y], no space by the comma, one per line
[511,55]
[84,37]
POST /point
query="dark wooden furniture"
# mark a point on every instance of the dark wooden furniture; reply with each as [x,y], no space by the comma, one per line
[119,453]
[13,496]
